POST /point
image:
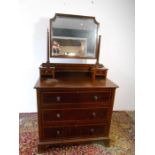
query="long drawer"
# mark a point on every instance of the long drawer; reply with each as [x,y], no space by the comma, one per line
[72,98]
[75,131]
[75,115]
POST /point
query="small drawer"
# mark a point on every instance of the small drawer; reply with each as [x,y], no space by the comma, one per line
[75,131]
[100,72]
[78,115]
[47,72]
[49,98]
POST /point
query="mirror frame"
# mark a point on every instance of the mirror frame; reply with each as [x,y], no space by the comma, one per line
[73,16]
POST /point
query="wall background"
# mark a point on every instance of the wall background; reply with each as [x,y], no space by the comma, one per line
[116,19]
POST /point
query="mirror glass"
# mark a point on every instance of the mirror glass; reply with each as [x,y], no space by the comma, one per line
[73,36]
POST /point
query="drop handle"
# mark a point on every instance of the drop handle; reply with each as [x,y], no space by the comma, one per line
[94,114]
[58,98]
[95,98]
[92,130]
[58,115]
[58,132]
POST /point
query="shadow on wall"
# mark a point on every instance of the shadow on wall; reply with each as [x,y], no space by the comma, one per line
[40,40]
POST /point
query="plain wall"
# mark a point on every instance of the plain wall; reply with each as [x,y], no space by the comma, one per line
[116,18]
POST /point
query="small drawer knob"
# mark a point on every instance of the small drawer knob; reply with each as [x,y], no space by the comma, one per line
[95,98]
[94,114]
[58,132]
[46,71]
[92,130]
[58,98]
[58,115]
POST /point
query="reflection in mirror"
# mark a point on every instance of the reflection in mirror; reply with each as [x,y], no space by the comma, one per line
[69,46]
[73,36]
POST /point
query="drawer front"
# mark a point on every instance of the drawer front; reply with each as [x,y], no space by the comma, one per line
[49,98]
[46,71]
[101,72]
[75,131]
[72,115]
[80,97]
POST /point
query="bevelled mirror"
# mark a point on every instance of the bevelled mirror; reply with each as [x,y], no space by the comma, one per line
[73,36]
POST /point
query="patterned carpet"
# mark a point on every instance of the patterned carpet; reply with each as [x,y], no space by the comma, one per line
[121,135]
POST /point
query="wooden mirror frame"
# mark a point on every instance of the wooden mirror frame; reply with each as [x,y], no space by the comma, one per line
[49,37]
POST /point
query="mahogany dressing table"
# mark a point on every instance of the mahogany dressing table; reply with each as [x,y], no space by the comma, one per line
[74,100]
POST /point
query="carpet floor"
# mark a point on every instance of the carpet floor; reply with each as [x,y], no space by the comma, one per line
[122,135]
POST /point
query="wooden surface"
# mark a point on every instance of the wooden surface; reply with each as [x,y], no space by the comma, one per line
[74,104]
[74,82]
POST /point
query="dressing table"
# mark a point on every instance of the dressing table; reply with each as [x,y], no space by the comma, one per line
[74,100]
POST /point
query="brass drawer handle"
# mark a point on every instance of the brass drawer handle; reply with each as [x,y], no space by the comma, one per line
[46,71]
[58,98]
[95,98]
[58,115]
[92,130]
[94,114]
[58,132]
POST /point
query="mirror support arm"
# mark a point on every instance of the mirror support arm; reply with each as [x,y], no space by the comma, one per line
[48,46]
[98,50]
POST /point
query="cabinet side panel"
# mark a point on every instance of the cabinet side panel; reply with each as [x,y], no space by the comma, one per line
[39,114]
[111,109]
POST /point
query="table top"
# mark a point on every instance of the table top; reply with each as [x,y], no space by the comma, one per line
[74,82]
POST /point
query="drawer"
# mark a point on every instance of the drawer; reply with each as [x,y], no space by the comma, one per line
[75,115]
[75,131]
[58,97]
[72,98]
[100,72]
[47,71]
